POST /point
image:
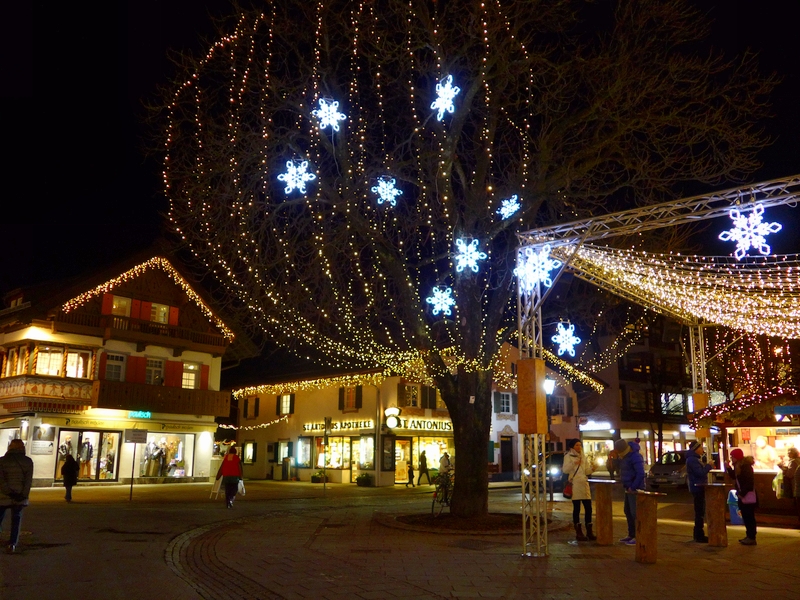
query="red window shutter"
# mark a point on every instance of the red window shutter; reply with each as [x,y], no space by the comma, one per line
[102,369]
[147,310]
[108,304]
[137,365]
[136,307]
[204,370]
[173,376]
[173,315]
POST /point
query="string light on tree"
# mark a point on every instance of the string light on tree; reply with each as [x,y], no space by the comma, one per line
[534,267]
[387,191]
[445,93]
[328,114]
[749,232]
[508,207]
[441,300]
[468,255]
[566,339]
[296,176]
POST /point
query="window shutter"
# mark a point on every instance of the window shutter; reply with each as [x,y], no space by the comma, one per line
[496,401]
[423,401]
[401,395]
[173,315]
[359,396]
[514,404]
[173,373]
[432,398]
[135,372]
[147,310]
[290,448]
[341,398]
[204,371]
[136,309]
[490,452]
[277,446]
[291,404]
[277,411]
[102,368]
[568,400]
[245,407]
[256,404]
[108,304]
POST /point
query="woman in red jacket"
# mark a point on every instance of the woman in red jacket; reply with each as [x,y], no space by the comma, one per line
[231,472]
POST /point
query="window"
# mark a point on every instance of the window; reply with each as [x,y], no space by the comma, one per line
[408,395]
[78,362]
[249,453]
[10,362]
[154,372]
[22,361]
[350,398]
[638,401]
[49,360]
[191,376]
[159,313]
[115,367]
[121,306]
[505,402]
[558,406]
[304,452]
[250,408]
[285,404]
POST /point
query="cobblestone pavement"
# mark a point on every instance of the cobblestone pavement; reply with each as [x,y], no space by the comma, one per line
[285,540]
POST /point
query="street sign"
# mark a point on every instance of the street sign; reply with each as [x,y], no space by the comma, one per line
[135,436]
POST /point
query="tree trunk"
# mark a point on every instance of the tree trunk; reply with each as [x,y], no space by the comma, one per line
[471,424]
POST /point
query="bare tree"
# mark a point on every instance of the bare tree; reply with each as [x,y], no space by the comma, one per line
[574,107]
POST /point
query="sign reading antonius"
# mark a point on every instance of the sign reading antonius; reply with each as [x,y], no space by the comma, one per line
[424,424]
[340,426]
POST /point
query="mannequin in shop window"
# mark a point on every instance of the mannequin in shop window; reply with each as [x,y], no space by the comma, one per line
[64,450]
[87,452]
[151,462]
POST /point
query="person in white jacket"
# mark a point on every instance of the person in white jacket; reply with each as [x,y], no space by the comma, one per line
[577,468]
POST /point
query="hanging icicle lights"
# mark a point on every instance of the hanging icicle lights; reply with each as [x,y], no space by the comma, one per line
[318,263]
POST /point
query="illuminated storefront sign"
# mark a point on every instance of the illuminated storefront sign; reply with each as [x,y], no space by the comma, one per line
[140,414]
[340,426]
[424,425]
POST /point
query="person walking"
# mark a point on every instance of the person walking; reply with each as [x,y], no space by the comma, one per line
[410,473]
[69,473]
[231,473]
[16,476]
[577,467]
[611,464]
[741,471]
[631,472]
[423,468]
[696,478]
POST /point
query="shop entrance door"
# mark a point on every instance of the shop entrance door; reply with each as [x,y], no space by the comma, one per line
[506,458]
[403,455]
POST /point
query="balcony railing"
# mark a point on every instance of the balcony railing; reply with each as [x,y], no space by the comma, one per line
[138,330]
[158,398]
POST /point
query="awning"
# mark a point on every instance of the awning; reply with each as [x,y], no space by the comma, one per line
[787,410]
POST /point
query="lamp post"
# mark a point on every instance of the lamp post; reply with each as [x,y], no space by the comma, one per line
[549,388]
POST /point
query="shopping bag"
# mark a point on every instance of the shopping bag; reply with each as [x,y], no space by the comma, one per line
[215,488]
[241,487]
[777,484]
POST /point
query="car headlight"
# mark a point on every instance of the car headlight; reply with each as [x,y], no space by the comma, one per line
[555,471]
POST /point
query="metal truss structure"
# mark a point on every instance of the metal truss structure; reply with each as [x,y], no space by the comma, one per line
[565,240]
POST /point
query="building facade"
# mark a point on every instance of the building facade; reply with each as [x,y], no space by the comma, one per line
[121,371]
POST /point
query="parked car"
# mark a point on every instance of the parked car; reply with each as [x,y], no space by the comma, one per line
[669,470]
[554,461]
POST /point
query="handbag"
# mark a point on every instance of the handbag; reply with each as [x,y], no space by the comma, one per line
[567,493]
[749,497]
[241,487]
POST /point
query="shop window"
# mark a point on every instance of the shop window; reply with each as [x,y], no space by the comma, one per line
[78,362]
[363,455]
[115,367]
[154,371]
[48,361]
[159,313]
[284,404]
[387,454]
[249,453]
[338,453]
[304,456]
[191,376]
[168,455]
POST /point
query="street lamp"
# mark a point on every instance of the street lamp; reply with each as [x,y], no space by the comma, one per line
[549,388]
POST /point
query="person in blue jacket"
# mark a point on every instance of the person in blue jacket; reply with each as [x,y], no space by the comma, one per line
[631,472]
[696,476]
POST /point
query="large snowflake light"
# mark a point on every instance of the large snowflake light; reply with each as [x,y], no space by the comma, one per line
[445,92]
[296,176]
[534,267]
[749,232]
[387,191]
[566,339]
[328,114]
[508,207]
[441,300]
[468,255]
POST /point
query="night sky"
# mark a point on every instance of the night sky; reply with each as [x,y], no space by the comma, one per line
[78,190]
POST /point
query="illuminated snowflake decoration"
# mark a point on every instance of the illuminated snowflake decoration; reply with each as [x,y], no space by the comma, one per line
[296,176]
[508,207]
[328,114]
[749,232]
[445,92]
[534,267]
[468,255]
[566,339]
[387,191]
[441,300]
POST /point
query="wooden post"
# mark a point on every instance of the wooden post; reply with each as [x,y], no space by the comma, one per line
[646,526]
[716,507]
[604,520]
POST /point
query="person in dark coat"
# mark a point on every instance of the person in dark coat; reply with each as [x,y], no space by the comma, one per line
[410,473]
[423,468]
[69,473]
[741,472]
[16,477]
[631,472]
[791,478]
[696,476]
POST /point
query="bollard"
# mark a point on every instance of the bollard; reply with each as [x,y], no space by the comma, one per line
[716,497]
[646,526]
[604,519]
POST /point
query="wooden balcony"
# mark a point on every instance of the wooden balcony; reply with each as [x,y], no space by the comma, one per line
[158,398]
[143,333]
